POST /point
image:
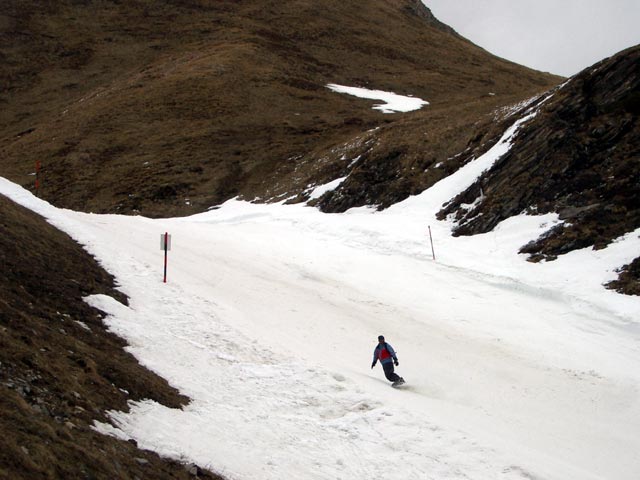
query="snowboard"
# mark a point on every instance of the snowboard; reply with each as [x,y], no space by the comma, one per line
[397,383]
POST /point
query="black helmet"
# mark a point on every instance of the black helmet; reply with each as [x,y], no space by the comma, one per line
[381,338]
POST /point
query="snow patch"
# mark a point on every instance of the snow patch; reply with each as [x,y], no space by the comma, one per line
[327,187]
[393,102]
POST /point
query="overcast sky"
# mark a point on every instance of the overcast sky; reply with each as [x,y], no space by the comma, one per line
[557,36]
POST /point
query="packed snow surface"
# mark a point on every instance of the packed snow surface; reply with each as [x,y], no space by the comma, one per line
[393,102]
[270,315]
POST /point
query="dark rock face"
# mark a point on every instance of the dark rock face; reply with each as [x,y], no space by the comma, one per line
[629,280]
[579,157]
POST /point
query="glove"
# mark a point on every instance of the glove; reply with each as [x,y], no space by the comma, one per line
[373,364]
[396,362]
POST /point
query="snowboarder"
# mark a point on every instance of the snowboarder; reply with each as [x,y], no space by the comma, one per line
[387,356]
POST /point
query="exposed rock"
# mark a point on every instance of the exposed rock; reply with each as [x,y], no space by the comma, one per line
[579,157]
[629,280]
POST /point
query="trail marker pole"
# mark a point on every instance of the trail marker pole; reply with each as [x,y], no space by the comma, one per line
[433,253]
[165,244]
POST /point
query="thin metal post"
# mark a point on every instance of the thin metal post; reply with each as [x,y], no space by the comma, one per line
[433,253]
[166,246]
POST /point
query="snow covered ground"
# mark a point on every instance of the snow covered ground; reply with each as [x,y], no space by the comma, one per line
[270,316]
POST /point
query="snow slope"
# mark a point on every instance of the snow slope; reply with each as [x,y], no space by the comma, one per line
[271,313]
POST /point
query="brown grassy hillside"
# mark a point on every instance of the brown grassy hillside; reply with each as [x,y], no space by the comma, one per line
[59,368]
[167,108]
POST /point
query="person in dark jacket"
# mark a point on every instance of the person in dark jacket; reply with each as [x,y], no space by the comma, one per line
[387,356]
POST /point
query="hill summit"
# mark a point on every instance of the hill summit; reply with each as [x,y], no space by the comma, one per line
[169,108]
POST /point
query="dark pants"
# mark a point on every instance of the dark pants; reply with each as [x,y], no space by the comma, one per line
[388,372]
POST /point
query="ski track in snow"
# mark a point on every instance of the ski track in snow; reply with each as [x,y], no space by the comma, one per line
[268,322]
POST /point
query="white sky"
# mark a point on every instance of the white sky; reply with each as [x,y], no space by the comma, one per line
[557,36]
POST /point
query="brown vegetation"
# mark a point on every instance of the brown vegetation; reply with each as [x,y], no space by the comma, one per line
[60,369]
[168,108]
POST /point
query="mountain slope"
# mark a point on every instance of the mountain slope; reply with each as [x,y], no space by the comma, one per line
[60,369]
[579,157]
[170,108]
[515,370]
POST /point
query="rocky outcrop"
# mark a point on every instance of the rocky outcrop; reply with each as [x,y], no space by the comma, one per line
[579,157]
[417,7]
